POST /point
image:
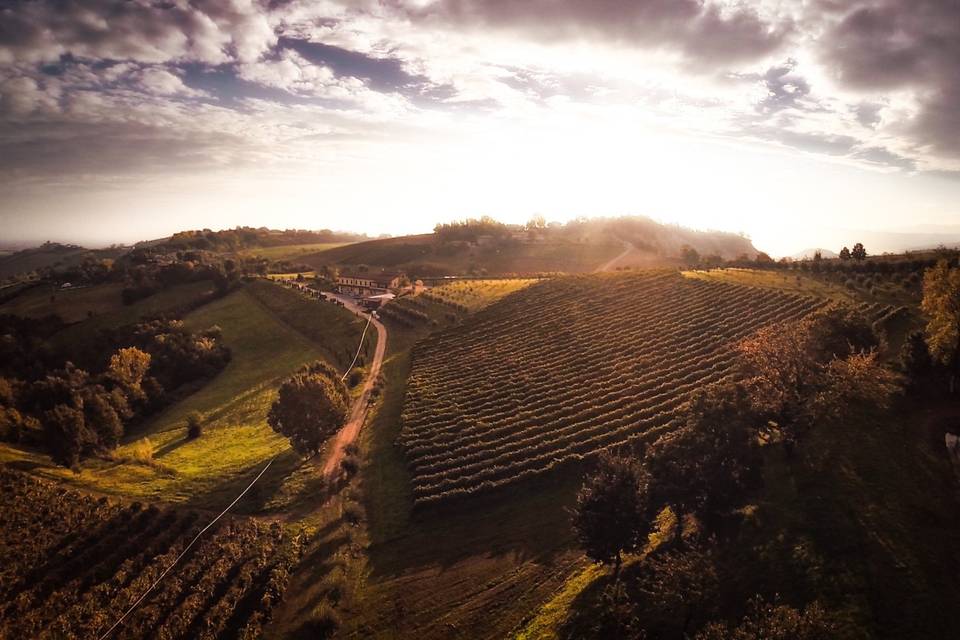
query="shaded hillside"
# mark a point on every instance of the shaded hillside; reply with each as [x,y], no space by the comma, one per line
[50,255]
[497,249]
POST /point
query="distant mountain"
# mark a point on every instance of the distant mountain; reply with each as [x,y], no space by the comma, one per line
[807,254]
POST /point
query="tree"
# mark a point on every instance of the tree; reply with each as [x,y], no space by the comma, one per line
[689,255]
[310,407]
[839,331]
[844,254]
[858,253]
[916,363]
[941,303]
[66,434]
[706,467]
[611,515]
[128,368]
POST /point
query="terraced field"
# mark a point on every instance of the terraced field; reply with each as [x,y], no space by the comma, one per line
[569,366]
[74,563]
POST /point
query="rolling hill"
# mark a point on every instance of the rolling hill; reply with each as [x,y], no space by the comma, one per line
[577,247]
[564,368]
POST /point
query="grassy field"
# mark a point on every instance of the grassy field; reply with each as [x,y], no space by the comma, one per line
[236,438]
[290,252]
[72,305]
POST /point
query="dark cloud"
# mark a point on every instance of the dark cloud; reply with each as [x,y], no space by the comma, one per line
[701,31]
[868,114]
[881,45]
[785,89]
[37,31]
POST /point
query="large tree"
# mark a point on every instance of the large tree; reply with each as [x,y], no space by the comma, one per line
[858,253]
[706,467]
[611,515]
[311,406]
[941,303]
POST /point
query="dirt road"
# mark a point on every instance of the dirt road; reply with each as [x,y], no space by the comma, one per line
[358,412]
[608,265]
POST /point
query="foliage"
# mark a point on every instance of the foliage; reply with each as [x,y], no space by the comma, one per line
[311,406]
[858,253]
[706,467]
[803,372]
[766,621]
[845,254]
[194,425]
[941,304]
[610,516]
[470,230]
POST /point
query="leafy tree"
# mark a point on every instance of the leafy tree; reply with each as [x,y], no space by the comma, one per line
[101,417]
[689,255]
[611,516]
[66,434]
[858,253]
[127,368]
[766,621]
[706,467]
[941,304]
[311,406]
[844,254]
[858,380]
[839,331]
[680,590]
[799,373]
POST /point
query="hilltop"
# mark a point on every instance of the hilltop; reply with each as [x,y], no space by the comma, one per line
[487,247]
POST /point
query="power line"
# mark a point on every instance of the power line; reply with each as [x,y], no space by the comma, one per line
[184,552]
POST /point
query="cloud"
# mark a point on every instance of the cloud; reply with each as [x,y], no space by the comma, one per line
[880,46]
[162,82]
[708,33]
[211,31]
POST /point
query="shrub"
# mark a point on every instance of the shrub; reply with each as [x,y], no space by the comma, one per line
[141,452]
[194,426]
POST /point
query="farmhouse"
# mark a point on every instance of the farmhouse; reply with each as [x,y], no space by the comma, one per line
[367,284]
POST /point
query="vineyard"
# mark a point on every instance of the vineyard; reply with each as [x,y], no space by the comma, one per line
[569,366]
[74,563]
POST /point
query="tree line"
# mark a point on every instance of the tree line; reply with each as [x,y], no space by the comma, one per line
[74,412]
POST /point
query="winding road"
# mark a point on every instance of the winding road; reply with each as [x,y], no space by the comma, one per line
[609,264]
[358,412]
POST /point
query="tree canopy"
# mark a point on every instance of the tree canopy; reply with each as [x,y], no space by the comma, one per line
[941,304]
[610,516]
[311,406]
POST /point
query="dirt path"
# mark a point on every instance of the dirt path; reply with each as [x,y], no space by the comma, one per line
[608,266]
[358,412]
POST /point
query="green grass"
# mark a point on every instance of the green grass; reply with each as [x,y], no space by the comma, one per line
[163,302]
[236,440]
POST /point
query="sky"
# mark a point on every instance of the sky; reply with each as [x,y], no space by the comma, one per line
[801,123]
